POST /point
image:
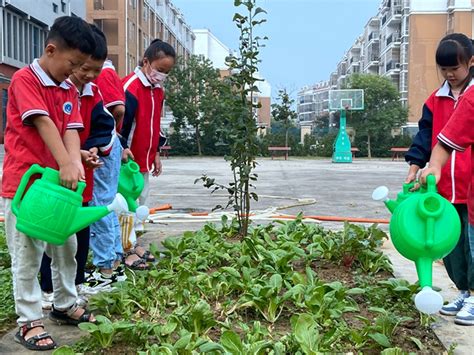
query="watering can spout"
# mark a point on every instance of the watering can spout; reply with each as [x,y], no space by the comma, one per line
[85,216]
[381,194]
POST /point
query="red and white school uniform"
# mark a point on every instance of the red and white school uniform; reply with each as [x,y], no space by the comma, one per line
[110,86]
[458,134]
[99,128]
[141,125]
[437,110]
[32,92]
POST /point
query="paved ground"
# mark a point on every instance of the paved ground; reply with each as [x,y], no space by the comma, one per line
[314,187]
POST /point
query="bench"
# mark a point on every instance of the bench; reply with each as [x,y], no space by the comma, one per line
[398,152]
[354,150]
[274,150]
[164,151]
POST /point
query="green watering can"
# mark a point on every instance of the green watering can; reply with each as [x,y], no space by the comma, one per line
[131,184]
[424,227]
[51,212]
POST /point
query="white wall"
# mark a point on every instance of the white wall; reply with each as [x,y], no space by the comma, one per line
[210,47]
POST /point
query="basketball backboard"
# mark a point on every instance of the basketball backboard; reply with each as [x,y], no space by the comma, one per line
[349,99]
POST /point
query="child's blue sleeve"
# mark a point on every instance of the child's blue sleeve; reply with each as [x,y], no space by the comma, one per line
[102,126]
[131,105]
[420,150]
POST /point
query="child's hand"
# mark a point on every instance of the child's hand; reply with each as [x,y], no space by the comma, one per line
[127,154]
[432,170]
[411,177]
[157,166]
[70,174]
[90,158]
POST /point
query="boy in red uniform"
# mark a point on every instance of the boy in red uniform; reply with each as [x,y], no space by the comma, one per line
[144,96]
[42,123]
[97,137]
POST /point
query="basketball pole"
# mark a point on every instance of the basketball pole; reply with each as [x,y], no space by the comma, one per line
[342,146]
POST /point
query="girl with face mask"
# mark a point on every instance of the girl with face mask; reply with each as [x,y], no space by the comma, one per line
[140,131]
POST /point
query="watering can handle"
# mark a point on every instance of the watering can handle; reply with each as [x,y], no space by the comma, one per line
[81,185]
[34,169]
[431,183]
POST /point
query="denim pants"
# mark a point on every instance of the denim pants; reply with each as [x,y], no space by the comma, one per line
[105,240]
[459,263]
[26,254]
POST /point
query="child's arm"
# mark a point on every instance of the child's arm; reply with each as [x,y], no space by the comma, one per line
[118,111]
[131,106]
[439,157]
[69,172]
[420,150]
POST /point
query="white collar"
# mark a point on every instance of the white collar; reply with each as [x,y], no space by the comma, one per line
[445,89]
[87,90]
[108,64]
[143,78]
[44,78]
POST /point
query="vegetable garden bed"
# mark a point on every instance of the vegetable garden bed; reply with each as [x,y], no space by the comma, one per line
[286,288]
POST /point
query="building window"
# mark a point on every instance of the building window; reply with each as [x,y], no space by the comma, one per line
[55,8]
[63,6]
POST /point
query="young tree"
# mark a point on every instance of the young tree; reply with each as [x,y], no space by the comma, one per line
[383,110]
[241,123]
[192,89]
[283,112]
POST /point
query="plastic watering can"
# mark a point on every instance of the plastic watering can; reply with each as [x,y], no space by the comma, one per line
[131,183]
[51,212]
[424,227]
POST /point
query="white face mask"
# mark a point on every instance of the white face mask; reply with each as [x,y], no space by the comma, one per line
[156,77]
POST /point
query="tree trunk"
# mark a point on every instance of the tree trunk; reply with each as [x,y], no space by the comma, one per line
[198,140]
[286,138]
[369,150]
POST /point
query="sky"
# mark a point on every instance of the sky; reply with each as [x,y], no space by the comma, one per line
[307,38]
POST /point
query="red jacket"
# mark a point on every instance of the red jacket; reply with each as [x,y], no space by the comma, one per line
[141,124]
[455,177]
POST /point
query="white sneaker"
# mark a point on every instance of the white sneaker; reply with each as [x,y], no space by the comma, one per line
[47,300]
[466,315]
[453,307]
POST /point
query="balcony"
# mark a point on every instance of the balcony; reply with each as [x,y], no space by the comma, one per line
[105,5]
[374,36]
[394,37]
[392,66]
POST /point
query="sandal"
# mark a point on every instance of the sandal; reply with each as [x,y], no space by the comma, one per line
[65,317]
[146,256]
[138,264]
[32,342]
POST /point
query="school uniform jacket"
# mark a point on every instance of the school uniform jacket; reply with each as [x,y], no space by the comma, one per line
[141,124]
[99,128]
[32,92]
[455,177]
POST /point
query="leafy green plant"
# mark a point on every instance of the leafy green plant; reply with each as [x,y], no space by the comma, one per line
[105,330]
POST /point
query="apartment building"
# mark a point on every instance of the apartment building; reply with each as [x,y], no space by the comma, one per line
[209,46]
[130,26]
[400,42]
[25,25]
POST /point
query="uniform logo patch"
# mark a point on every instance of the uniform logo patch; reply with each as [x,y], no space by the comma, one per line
[67,108]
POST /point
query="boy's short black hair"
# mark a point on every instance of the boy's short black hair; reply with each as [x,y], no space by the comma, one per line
[70,32]
[100,50]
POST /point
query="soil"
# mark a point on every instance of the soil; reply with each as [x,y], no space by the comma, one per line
[328,272]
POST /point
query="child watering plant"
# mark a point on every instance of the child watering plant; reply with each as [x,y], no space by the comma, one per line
[453,138]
